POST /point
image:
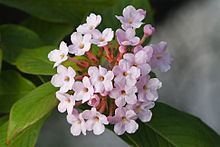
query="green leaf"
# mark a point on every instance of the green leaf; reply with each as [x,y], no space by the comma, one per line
[3,119]
[109,19]
[50,33]
[13,38]
[30,109]
[35,61]
[13,87]
[70,11]
[1,58]
[27,138]
[172,128]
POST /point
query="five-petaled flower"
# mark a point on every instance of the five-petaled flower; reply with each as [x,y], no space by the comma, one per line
[83,90]
[131,17]
[81,44]
[101,79]
[127,37]
[92,21]
[95,121]
[59,56]
[78,123]
[102,39]
[124,121]
[64,78]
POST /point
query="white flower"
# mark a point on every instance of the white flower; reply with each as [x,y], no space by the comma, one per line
[123,94]
[92,21]
[101,79]
[81,44]
[126,73]
[147,88]
[124,121]
[131,17]
[139,60]
[64,78]
[77,122]
[83,90]
[142,109]
[95,121]
[58,56]
[66,102]
[102,39]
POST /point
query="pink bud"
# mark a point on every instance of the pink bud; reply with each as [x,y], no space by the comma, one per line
[148,30]
[94,101]
[122,49]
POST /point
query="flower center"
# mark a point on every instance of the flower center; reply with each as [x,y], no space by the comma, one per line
[123,92]
[85,89]
[67,79]
[124,119]
[62,55]
[159,56]
[91,27]
[96,119]
[81,46]
[101,78]
[78,121]
[101,39]
[135,65]
[67,100]
[130,20]
[145,87]
[125,73]
[138,109]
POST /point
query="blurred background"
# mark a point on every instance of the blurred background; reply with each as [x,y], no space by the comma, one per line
[192,30]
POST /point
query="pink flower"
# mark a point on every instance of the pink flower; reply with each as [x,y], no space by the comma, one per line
[58,56]
[142,109]
[64,78]
[131,17]
[83,90]
[124,120]
[95,121]
[102,39]
[66,102]
[161,59]
[101,79]
[81,44]
[94,101]
[92,21]
[123,94]
[77,122]
[147,49]
[139,60]
[127,37]
[126,73]
[147,88]
[148,30]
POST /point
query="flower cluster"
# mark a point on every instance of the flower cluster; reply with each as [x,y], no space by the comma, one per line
[103,81]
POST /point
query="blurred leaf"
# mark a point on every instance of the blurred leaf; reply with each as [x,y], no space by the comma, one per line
[35,61]
[50,33]
[1,58]
[3,119]
[109,19]
[13,38]
[172,128]
[27,138]
[13,87]
[30,109]
[70,11]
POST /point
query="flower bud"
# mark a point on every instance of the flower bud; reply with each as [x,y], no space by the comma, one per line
[148,30]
